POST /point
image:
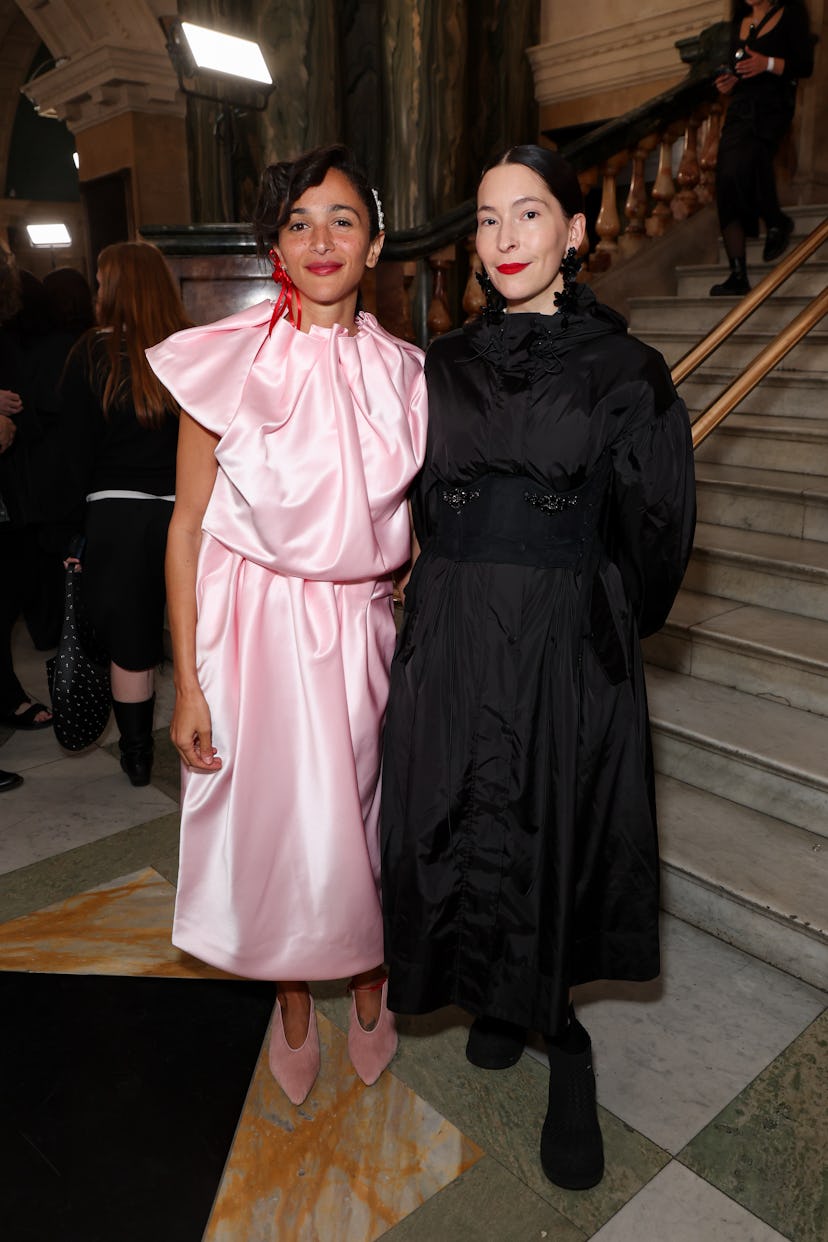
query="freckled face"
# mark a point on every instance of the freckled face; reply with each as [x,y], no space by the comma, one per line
[522,235]
[325,247]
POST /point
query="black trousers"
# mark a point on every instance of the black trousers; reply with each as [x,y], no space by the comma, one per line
[745,181]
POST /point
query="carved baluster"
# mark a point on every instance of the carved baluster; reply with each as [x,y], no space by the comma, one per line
[439,318]
[663,191]
[685,202]
[635,207]
[393,298]
[706,190]
[474,299]
[608,224]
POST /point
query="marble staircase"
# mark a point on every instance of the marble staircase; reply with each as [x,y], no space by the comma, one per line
[738,677]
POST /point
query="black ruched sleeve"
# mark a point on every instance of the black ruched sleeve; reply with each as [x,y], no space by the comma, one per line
[653,504]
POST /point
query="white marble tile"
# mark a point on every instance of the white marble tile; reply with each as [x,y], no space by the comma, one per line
[670,1055]
[677,1206]
[70,802]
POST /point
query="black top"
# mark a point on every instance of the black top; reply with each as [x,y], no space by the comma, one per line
[113,452]
[789,40]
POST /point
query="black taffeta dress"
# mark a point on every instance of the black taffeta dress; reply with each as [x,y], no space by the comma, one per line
[555,512]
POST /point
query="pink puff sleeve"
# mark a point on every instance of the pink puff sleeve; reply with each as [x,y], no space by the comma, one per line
[205,368]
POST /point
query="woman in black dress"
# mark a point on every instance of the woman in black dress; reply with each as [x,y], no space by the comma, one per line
[771,48]
[123,437]
[555,513]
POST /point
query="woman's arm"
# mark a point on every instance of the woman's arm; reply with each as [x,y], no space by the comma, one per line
[404,573]
[191,726]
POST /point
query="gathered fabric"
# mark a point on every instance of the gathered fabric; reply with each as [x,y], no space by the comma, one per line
[319,436]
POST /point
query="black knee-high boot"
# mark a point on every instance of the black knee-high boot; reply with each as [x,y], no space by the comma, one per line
[737,283]
[135,724]
[572,1149]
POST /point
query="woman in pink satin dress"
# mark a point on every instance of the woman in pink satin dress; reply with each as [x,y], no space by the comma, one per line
[305,423]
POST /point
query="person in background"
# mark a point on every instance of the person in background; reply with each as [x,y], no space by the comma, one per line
[771,49]
[555,513]
[122,447]
[18,710]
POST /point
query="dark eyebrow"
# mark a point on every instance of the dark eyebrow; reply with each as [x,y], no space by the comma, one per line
[527,198]
[334,207]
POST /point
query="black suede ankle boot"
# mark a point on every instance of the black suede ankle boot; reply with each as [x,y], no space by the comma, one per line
[134,721]
[571,1148]
[494,1043]
[737,283]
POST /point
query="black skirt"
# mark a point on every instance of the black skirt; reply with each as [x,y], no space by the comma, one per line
[123,577]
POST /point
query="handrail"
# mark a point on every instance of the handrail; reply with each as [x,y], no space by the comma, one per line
[750,302]
[764,362]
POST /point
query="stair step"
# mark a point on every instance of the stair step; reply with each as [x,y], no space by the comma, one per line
[769,442]
[781,393]
[779,502]
[773,571]
[758,753]
[755,247]
[746,877]
[810,355]
[701,314]
[807,281]
[760,651]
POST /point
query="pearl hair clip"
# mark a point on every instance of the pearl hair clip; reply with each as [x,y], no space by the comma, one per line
[380,213]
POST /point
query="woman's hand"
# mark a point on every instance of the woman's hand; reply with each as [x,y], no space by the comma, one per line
[725,83]
[7,432]
[191,730]
[752,64]
[10,403]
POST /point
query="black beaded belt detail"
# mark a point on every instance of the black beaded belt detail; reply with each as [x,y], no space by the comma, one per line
[552,502]
[458,497]
[511,519]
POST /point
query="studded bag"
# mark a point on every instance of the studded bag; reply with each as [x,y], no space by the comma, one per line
[78,674]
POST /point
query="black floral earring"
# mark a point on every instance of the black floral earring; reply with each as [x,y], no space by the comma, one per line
[567,300]
[495,303]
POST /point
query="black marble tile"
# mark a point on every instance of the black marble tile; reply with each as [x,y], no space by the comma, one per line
[119,1098]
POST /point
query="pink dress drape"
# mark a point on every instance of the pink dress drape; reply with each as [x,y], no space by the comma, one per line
[320,435]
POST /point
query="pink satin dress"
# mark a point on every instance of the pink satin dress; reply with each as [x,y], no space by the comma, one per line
[320,434]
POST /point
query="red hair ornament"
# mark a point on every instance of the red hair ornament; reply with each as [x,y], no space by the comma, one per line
[289,298]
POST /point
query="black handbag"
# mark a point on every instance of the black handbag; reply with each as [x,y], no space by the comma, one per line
[78,674]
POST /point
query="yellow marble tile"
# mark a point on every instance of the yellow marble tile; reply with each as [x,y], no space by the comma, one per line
[120,928]
[345,1166]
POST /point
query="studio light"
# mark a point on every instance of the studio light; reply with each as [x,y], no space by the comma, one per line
[222,53]
[225,67]
[48,235]
[225,70]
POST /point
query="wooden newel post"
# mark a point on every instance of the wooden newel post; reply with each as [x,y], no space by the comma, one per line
[608,224]
[706,190]
[439,318]
[474,299]
[635,208]
[686,202]
[663,191]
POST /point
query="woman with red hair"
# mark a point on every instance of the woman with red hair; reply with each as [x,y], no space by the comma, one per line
[124,435]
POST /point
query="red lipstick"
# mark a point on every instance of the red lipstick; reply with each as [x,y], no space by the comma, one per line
[323,269]
[511,269]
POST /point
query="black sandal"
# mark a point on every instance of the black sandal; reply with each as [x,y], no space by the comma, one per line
[26,720]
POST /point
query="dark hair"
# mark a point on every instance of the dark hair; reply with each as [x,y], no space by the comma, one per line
[552,168]
[283,184]
[562,180]
[740,9]
[69,300]
[10,298]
